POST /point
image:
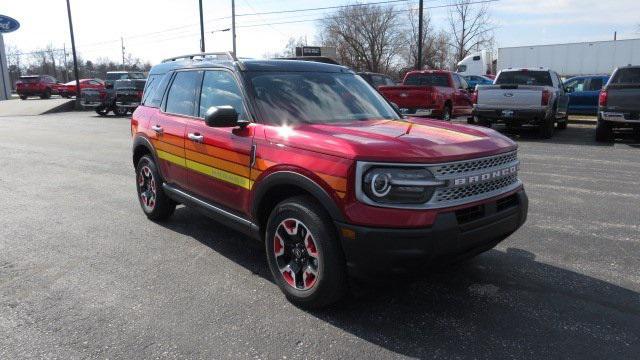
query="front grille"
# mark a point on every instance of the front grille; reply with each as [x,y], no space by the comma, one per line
[474,165]
[463,192]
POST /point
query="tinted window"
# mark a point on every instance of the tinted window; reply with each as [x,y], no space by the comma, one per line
[29,79]
[627,76]
[309,97]
[462,68]
[219,88]
[596,84]
[151,85]
[182,93]
[525,77]
[427,79]
[389,81]
[153,96]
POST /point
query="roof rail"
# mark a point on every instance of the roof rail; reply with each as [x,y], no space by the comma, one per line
[230,56]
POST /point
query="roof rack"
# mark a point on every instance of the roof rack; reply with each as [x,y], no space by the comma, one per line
[228,54]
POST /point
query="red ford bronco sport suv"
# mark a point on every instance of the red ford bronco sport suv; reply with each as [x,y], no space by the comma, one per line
[310,159]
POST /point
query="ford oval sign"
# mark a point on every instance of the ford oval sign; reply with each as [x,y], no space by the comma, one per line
[8,24]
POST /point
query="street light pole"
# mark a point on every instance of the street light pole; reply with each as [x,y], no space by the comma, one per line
[201,29]
[233,26]
[75,58]
[419,62]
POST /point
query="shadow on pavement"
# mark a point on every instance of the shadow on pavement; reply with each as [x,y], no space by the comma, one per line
[498,305]
[573,135]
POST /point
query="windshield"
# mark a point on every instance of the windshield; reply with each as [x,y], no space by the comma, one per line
[316,97]
[627,76]
[427,80]
[525,77]
[122,76]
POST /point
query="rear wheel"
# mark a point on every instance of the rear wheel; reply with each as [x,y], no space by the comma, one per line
[547,126]
[604,132]
[154,202]
[304,255]
[23,97]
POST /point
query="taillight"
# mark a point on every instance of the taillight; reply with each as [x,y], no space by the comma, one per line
[474,97]
[546,95]
[602,99]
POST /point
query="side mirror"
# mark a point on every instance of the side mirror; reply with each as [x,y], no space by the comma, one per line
[223,116]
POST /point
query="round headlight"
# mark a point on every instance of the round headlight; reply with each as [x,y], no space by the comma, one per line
[380,184]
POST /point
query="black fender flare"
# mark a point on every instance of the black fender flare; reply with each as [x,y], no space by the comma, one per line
[140,140]
[293,178]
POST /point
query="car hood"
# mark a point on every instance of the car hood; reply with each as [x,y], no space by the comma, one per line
[411,140]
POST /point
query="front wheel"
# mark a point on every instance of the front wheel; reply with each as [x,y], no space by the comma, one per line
[154,202]
[46,94]
[23,97]
[304,255]
[118,111]
[102,111]
[446,113]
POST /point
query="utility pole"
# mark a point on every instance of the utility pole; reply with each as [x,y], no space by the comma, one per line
[615,36]
[233,26]
[122,45]
[201,29]
[66,67]
[75,58]
[420,11]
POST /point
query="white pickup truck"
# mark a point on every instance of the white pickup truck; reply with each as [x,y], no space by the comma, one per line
[523,97]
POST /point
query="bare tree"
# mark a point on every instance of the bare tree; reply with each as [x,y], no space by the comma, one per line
[436,52]
[470,26]
[366,37]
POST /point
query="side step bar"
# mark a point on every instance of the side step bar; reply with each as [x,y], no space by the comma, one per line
[222,216]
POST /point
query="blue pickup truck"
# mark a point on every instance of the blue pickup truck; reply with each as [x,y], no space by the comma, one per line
[583,93]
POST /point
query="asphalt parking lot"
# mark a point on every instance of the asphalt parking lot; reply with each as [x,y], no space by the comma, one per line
[83,274]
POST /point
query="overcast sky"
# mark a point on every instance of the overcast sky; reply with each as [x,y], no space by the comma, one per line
[156,29]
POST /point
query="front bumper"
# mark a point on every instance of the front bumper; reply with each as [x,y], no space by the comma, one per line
[465,232]
[523,116]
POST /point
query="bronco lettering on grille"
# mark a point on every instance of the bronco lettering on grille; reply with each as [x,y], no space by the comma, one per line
[485,176]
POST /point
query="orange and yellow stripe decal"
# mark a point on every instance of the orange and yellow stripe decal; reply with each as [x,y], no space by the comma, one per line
[226,165]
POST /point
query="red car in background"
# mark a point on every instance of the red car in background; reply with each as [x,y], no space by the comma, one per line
[69,89]
[431,93]
[35,85]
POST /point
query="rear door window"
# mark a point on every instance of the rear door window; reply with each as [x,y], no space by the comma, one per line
[182,96]
[525,77]
[595,84]
[154,93]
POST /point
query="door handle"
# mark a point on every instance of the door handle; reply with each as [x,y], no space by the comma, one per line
[157,129]
[196,137]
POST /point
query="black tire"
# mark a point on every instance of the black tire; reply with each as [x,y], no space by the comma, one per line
[484,122]
[604,132]
[46,95]
[545,129]
[562,125]
[102,111]
[446,113]
[153,201]
[117,111]
[23,97]
[329,284]
[471,120]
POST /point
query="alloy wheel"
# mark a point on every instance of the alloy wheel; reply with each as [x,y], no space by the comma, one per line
[147,188]
[296,254]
